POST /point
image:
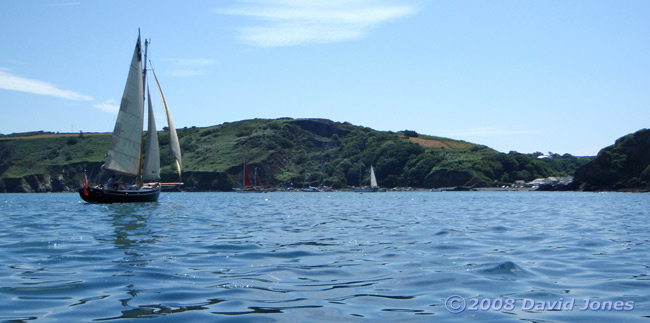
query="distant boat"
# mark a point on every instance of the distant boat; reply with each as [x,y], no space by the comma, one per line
[126,155]
[373,184]
[247,185]
[310,188]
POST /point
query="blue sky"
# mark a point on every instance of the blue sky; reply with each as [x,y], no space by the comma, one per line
[560,76]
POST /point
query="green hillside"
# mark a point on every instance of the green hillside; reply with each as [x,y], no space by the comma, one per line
[625,165]
[287,152]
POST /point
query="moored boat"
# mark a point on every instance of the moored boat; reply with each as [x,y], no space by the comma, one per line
[249,186]
[373,184]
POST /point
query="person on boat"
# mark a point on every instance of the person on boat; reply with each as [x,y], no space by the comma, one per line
[111,183]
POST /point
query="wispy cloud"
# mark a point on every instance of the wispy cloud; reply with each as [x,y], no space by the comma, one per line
[294,22]
[192,62]
[66,4]
[110,106]
[17,83]
[187,67]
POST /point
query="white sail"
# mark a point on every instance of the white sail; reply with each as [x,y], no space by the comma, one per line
[174,145]
[373,179]
[151,167]
[124,153]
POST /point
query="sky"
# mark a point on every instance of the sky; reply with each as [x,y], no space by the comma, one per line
[550,76]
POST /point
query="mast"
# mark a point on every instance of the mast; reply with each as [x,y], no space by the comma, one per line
[144,84]
[144,70]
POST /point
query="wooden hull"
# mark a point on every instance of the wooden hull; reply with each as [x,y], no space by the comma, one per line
[98,195]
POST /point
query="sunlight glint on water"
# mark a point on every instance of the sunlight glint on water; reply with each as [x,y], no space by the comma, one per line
[323,256]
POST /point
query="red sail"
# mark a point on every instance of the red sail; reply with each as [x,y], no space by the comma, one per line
[247,177]
[258,180]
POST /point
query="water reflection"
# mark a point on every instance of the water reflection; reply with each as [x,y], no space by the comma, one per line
[131,233]
[156,310]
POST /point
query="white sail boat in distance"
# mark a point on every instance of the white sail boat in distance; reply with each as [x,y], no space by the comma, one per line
[128,155]
[374,187]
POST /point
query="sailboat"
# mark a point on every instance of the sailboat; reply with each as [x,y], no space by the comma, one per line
[128,154]
[373,184]
[310,189]
[249,186]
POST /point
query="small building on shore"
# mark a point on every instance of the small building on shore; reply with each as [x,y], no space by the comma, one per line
[552,181]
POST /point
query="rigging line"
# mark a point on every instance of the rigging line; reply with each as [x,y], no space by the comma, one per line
[111,126]
[151,68]
[167,194]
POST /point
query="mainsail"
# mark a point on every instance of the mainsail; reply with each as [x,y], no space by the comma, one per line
[258,180]
[151,167]
[373,179]
[174,145]
[125,150]
[247,177]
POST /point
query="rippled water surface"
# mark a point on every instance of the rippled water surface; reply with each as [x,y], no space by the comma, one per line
[326,257]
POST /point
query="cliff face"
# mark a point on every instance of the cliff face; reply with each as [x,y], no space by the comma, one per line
[63,178]
[622,166]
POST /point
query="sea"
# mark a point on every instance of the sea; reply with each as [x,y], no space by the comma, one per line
[327,257]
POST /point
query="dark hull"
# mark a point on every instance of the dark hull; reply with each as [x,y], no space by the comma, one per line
[98,195]
[248,191]
[369,190]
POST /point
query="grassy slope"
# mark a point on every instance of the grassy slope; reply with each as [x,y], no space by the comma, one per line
[302,152]
[30,155]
